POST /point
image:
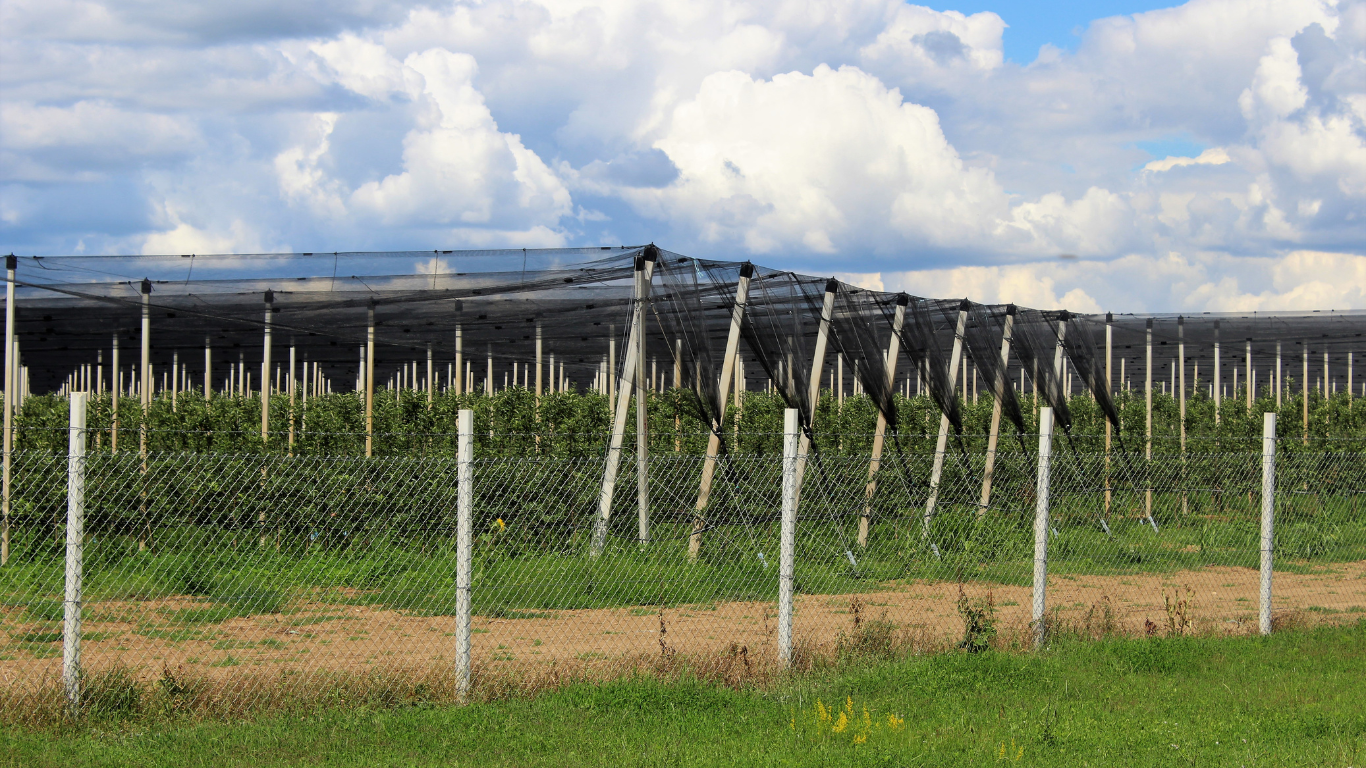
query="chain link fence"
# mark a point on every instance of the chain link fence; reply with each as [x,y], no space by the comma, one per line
[255,567]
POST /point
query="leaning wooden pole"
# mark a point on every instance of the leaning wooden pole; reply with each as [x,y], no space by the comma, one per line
[1109,388]
[1148,432]
[642,410]
[817,363]
[942,443]
[646,263]
[880,432]
[737,317]
[265,370]
[370,383]
[1181,406]
[145,533]
[1002,381]
[11,262]
[289,385]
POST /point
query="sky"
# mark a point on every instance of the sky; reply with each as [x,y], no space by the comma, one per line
[1120,156]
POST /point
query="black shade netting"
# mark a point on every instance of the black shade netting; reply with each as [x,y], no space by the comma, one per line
[859,331]
[1082,347]
[778,326]
[984,336]
[1035,338]
[692,308]
[925,320]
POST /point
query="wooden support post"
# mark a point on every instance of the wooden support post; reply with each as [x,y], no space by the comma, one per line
[1148,430]
[814,393]
[1280,383]
[265,370]
[644,263]
[11,379]
[942,443]
[145,530]
[370,382]
[998,391]
[728,371]
[1304,393]
[459,359]
[1251,381]
[1181,409]
[1218,376]
[539,366]
[642,411]
[880,431]
[115,394]
[1109,428]
[289,384]
[431,382]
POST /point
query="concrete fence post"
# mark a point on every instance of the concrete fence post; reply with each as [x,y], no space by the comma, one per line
[1268,518]
[75,540]
[464,544]
[1041,527]
[787,552]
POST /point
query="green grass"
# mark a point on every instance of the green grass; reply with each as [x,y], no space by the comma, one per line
[1291,699]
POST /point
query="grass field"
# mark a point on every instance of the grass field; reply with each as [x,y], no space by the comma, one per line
[1291,699]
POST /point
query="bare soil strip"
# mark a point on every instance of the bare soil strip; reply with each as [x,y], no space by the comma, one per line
[318,635]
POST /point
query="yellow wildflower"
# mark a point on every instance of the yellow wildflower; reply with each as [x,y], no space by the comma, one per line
[841,724]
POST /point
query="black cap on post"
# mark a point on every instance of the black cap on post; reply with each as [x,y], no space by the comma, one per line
[964,305]
[1149,324]
[146,286]
[1010,309]
[832,285]
[1109,318]
[11,261]
[747,270]
[651,253]
[270,296]
[1064,315]
[902,299]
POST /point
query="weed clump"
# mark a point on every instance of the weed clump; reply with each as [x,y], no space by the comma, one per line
[979,621]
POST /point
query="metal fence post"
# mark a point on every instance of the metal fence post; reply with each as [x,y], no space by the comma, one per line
[464,536]
[1041,527]
[787,552]
[75,528]
[1268,517]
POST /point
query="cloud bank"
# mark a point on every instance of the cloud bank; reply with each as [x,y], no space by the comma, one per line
[1206,156]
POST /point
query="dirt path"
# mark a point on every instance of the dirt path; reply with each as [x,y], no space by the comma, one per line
[332,636]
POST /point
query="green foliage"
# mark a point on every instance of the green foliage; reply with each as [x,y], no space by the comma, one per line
[513,422]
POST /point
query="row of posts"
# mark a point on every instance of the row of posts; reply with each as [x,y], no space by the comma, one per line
[792,434]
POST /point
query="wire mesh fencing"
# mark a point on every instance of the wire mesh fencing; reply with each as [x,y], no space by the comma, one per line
[256,567]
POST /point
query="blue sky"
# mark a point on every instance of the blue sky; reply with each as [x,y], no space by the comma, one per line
[1198,156]
[1061,24]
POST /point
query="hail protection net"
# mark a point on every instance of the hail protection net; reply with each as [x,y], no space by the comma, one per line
[692,309]
[928,326]
[1081,345]
[859,332]
[984,336]
[1035,340]
[779,331]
